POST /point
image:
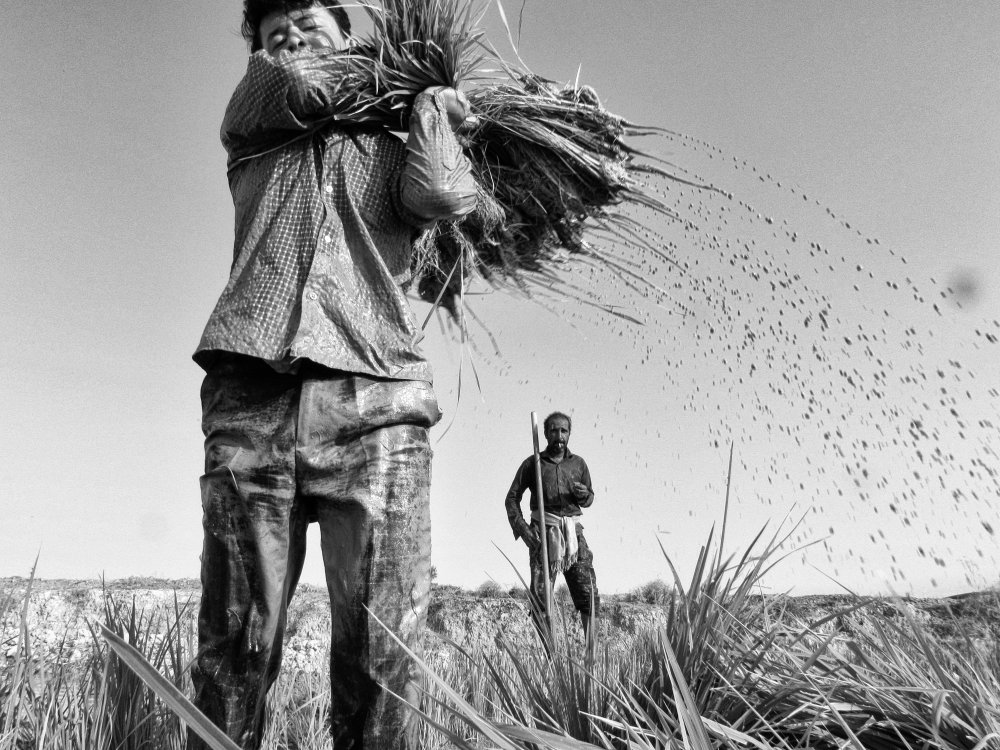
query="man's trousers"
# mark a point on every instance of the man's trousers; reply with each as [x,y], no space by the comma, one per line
[580,576]
[282,450]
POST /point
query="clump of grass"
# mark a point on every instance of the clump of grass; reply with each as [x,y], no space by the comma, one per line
[299,707]
[135,716]
[881,682]
[490,589]
[656,592]
[553,167]
[99,704]
[728,669]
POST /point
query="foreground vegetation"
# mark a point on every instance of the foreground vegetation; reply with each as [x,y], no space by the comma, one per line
[726,669]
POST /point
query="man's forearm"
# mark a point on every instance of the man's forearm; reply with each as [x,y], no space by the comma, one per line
[513,503]
[279,96]
[514,516]
[437,181]
[586,481]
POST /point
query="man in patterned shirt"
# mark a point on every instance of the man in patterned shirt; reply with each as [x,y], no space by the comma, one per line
[316,401]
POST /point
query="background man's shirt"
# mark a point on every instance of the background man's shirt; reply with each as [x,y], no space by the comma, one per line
[557,486]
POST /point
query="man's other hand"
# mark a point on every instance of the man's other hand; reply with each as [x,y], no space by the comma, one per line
[580,490]
[530,537]
[456,105]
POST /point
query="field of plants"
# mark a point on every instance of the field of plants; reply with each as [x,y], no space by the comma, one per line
[724,667]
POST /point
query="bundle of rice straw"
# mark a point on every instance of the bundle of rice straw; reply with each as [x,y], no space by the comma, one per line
[550,161]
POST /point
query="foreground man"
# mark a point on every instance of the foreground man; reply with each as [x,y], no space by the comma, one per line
[567,489]
[317,401]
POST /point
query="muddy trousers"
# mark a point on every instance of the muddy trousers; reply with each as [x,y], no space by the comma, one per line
[580,579]
[282,451]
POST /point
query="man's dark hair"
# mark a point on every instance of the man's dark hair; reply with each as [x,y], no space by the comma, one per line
[556,415]
[254,11]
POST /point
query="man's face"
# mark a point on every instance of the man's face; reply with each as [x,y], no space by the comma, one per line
[313,27]
[557,435]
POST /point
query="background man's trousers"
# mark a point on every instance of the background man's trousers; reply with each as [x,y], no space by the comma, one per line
[581,580]
[282,450]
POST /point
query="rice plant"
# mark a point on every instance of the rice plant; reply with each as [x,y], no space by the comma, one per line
[727,668]
[99,703]
[730,669]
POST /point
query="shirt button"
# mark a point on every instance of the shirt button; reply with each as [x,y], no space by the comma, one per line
[326,238]
[312,295]
[328,188]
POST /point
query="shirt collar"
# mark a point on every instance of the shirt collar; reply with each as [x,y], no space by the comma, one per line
[566,454]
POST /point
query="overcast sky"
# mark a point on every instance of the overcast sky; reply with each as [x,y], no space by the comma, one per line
[861,146]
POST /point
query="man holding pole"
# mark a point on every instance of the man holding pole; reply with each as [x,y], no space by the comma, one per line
[565,489]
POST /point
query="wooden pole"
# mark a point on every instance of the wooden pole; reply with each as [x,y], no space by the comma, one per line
[540,494]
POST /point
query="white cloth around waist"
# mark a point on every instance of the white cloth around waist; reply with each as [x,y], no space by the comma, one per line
[561,536]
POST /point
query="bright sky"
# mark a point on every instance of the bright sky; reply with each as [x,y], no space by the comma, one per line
[116,236]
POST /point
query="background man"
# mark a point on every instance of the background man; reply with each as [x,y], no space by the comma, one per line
[567,489]
[316,401]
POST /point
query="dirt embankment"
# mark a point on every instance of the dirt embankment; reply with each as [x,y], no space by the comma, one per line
[60,616]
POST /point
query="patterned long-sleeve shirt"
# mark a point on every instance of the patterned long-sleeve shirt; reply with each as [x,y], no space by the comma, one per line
[557,488]
[325,218]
